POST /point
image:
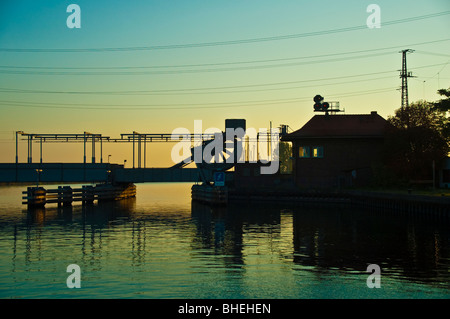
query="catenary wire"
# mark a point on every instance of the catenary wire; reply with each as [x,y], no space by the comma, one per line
[222,43]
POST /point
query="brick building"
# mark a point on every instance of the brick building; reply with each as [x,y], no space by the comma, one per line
[334,151]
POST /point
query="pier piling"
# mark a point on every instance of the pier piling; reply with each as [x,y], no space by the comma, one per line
[66,195]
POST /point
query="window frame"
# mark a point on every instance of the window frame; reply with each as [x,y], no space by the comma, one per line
[319,152]
[306,150]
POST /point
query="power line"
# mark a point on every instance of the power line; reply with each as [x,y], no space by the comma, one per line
[207,89]
[432,53]
[211,88]
[185,106]
[25,70]
[219,63]
[222,43]
[186,93]
[254,67]
[13,67]
[194,90]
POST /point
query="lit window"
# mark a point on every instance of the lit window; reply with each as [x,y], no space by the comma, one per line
[318,151]
[304,151]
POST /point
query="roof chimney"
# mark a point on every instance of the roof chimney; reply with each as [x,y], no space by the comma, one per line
[373,113]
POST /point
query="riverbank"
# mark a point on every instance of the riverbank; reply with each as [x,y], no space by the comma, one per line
[408,202]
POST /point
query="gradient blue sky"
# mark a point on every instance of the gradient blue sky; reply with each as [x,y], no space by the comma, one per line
[219,81]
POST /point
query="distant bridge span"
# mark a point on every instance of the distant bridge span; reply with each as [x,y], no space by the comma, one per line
[95,172]
[92,173]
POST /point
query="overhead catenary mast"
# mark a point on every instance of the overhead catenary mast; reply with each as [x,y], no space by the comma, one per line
[404,75]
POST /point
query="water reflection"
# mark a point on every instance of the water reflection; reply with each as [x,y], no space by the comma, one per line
[240,250]
[348,239]
[339,238]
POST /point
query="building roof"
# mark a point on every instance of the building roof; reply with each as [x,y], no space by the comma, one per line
[347,125]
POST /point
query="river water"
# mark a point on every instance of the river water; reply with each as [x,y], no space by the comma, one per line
[160,245]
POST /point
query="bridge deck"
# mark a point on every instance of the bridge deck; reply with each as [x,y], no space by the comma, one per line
[91,173]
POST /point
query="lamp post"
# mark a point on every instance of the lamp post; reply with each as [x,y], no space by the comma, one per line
[38,171]
[124,161]
[109,157]
[17,145]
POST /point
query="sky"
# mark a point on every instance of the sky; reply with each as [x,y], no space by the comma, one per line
[154,66]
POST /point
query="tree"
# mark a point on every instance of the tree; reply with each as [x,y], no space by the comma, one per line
[416,137]
[285,157]
[443,105]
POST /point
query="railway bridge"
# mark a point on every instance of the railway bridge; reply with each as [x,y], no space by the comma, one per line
[116,176]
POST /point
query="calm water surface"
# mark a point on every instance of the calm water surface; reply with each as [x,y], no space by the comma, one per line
[160,245]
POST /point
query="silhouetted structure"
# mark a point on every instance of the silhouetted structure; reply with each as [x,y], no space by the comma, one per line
[404,75]
[334,151]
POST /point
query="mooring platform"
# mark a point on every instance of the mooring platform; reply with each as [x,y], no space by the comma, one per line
[66,195]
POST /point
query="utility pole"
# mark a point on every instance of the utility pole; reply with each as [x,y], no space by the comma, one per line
[404,75]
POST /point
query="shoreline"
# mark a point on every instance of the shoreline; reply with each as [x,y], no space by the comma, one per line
[393,201]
